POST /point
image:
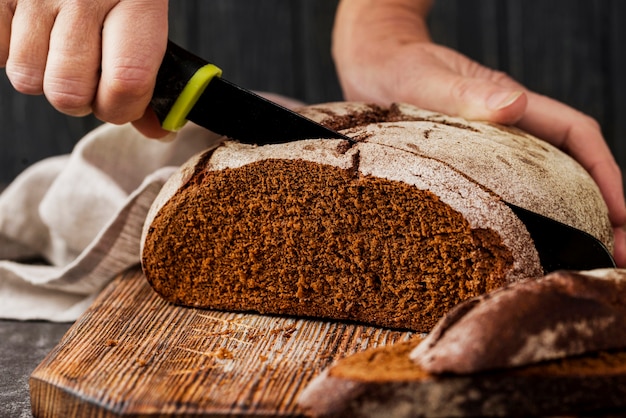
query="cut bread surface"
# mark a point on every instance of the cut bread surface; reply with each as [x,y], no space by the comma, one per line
[302,238]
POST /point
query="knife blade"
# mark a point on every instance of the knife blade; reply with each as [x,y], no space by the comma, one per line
[562,247]
[190,88]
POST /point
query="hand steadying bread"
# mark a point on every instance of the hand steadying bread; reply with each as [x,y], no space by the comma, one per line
[383,53]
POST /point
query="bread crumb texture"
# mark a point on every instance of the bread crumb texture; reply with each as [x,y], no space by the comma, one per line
[301,238]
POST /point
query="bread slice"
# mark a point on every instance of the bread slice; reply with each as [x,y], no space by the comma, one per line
[467,365]
[394,230]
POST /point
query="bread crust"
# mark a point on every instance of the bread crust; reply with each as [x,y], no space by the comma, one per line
[512,164]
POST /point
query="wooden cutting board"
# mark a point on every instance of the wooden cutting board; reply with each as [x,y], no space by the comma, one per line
[134,355]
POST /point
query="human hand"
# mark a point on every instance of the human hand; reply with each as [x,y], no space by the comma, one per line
[86,56]
[385,55]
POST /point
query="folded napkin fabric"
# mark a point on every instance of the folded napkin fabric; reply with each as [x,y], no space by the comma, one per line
[71,223]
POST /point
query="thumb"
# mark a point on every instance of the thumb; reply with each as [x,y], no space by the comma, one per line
[150,126]
[619,251]
[475,99]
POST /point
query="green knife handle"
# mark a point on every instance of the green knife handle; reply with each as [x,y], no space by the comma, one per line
[181,80]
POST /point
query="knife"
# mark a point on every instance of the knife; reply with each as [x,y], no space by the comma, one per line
[190,88]
[562,247]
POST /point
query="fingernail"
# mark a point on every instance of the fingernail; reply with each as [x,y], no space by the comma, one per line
[502,99]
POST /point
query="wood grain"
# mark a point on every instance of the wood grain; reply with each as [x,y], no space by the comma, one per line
[134,355]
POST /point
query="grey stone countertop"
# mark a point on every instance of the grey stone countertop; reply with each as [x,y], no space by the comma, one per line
[23,345]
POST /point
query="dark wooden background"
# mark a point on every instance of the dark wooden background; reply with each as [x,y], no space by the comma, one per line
[572,50]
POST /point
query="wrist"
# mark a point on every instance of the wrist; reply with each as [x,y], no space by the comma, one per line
[367,33]
[365,21]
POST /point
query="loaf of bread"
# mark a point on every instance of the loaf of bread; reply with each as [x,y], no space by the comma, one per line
[393,230]
[581,379]
[560,315]
[383,383]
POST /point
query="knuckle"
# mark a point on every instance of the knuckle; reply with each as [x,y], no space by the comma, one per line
[123,93]
[110,114]
[25,79]
[592,122]
[461,87]
[500,77]
[69,103]
[81,8]
[73,97]
[130,82]
[585,127]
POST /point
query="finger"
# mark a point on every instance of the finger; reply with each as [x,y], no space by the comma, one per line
[607,176]
[619,251]
[435,87]
[451,83]
[581,137]
[150,126]
[134,41]
[471,98]
[479,99]
[6,16]
[73,63]
[28,47]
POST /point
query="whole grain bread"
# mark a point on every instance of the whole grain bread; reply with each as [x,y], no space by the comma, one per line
[394,230]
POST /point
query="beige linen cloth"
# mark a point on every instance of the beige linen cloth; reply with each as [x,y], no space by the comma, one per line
[81,216]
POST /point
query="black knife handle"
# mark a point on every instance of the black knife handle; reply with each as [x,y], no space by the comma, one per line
[182,77]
